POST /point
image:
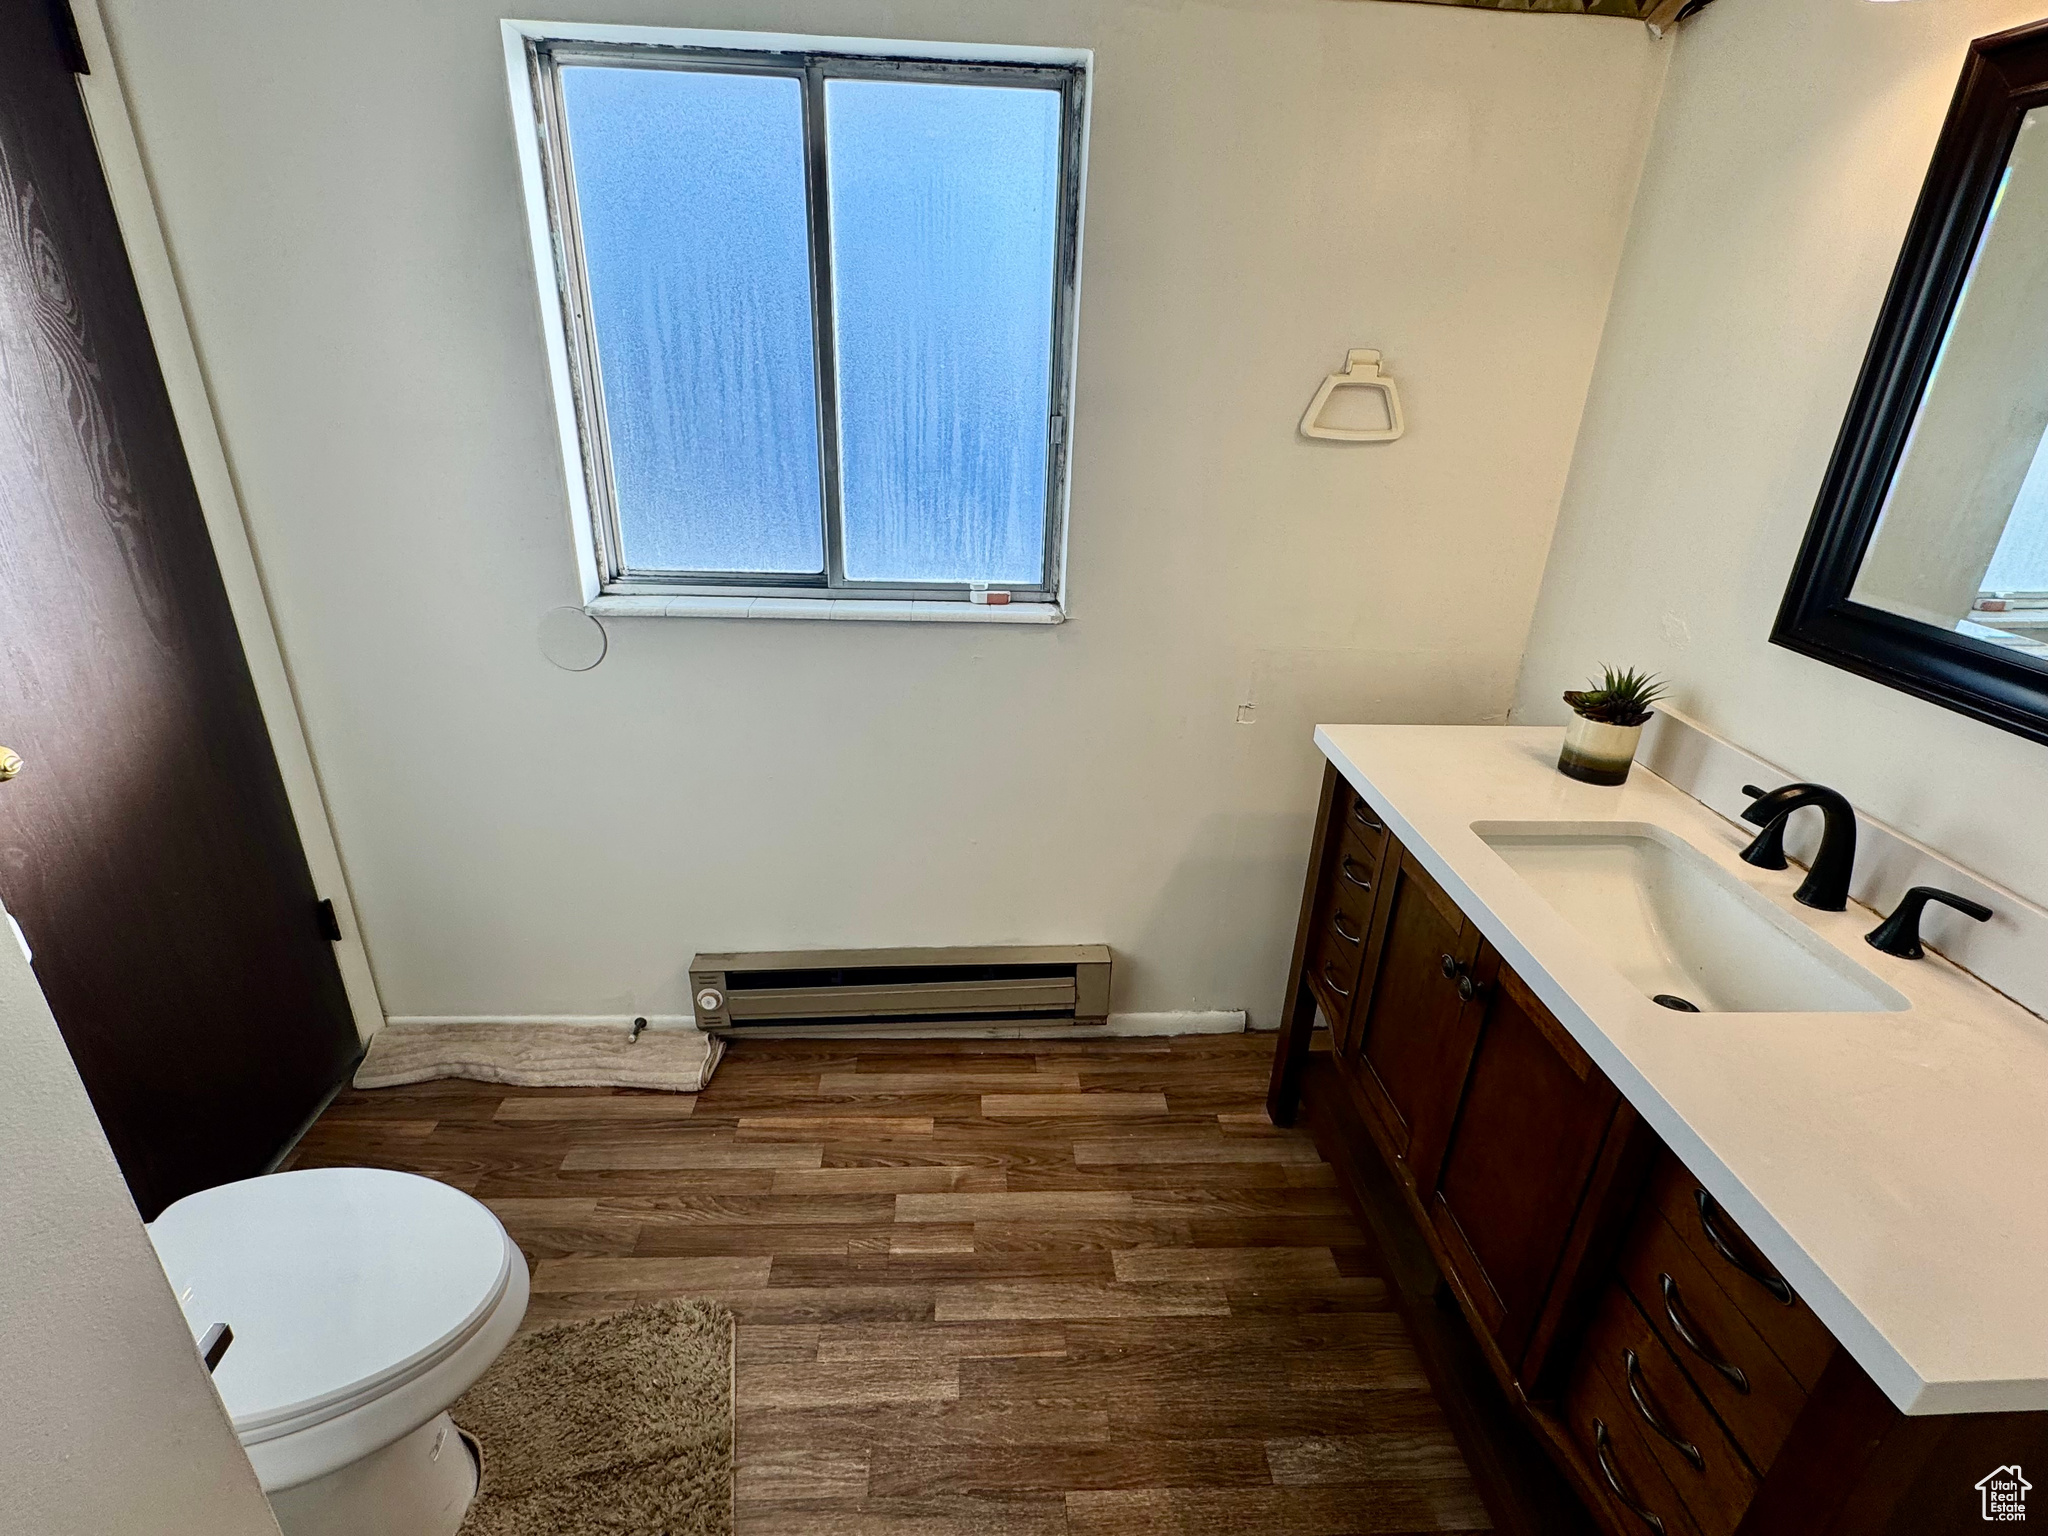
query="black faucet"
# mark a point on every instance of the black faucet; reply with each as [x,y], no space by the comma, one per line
[1827,884]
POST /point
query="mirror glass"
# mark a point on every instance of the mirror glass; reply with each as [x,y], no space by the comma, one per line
[1962,540]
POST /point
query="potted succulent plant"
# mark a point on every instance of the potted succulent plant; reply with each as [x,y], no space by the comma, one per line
[1607,721]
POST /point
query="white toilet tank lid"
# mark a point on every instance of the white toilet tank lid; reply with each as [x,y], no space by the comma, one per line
[341,1284]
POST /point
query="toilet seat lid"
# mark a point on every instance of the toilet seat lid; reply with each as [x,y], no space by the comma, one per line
[341,1284]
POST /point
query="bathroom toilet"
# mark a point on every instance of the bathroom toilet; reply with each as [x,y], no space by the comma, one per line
[363,1302]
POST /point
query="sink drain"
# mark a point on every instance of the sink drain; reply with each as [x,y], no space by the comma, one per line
[1674,1003]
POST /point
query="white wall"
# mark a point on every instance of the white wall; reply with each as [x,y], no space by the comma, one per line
[1789,150]
[1272,182]
[107,1421]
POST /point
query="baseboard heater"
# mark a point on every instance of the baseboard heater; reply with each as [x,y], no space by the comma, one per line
[824,990]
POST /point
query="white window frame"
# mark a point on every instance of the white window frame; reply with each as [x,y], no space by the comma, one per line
[607,587]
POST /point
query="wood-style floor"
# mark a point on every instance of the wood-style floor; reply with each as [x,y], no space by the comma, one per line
[1055,1289]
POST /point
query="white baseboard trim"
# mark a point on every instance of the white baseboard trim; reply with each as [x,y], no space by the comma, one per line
[1122,1026]
[1217,1023]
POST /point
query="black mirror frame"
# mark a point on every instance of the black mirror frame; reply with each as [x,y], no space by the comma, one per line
[2005,77]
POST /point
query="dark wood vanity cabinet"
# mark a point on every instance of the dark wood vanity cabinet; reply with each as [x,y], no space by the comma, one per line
[1410,1033]
[1658,1371]
[1532,1122]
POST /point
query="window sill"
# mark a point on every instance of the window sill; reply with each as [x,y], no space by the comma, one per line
[867,610]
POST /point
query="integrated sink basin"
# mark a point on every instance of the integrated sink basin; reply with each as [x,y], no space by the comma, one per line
[1680,927]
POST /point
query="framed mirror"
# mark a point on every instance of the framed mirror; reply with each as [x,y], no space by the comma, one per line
[1926,564]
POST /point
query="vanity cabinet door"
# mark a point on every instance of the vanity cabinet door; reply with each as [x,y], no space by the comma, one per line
[1410,1036]
[1520,1157]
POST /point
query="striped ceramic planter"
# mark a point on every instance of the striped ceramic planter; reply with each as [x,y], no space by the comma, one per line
[1597,752]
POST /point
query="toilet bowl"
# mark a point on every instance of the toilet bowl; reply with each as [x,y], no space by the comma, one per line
[363,1302]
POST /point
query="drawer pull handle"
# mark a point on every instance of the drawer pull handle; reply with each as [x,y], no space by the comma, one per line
[1628,1500]
[1639,1392]
[1330,981]
[1775,1284]
[1688,1333]
[1361,814]
[1345,868]
[1337,922]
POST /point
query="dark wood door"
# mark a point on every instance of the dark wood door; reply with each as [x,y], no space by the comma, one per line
[147,847]
[1519,1158]
[1409,1038]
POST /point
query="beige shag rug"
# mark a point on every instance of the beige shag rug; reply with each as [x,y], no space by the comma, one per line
[614,1426]
[541,1056]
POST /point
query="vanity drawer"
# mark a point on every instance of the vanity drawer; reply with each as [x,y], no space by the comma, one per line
[1610,1438]
[1337,948]
[1361,822]
[1800,1340]
[1343,919]
[1353,869]
[1727,1359]
[1672,1422]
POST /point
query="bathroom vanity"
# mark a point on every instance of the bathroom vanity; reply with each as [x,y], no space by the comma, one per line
[1776,1265]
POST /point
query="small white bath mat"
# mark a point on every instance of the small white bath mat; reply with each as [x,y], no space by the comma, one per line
[541,1056]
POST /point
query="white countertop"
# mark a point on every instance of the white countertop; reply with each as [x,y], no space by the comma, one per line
[1893,1166]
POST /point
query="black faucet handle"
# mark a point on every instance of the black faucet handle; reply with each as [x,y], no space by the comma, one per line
[1760,817]
[1899,934]
[1767,849]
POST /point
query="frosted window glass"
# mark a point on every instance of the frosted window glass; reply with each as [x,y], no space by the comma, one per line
[945,203]
[690,186]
